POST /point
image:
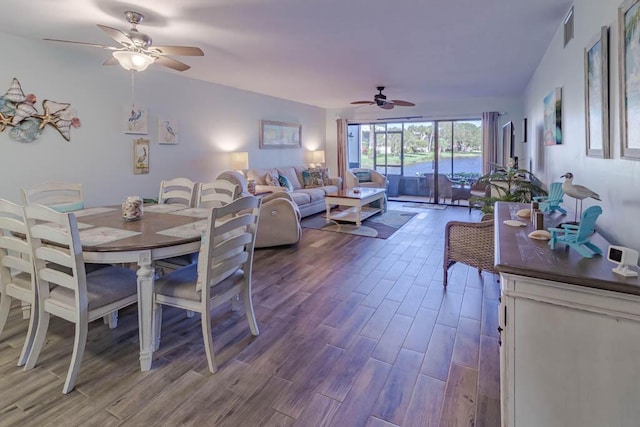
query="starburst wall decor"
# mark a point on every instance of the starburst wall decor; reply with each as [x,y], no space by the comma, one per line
[18,113]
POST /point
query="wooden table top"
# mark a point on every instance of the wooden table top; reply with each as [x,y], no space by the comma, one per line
[362,194]
[516,253]
[148,227]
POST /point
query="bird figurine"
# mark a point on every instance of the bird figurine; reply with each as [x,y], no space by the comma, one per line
[578,192]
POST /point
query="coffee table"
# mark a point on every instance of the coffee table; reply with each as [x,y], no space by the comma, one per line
[358,198]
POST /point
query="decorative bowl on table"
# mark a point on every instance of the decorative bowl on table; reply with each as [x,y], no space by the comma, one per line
[132,208]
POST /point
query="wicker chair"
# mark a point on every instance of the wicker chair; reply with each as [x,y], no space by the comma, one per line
[471,243]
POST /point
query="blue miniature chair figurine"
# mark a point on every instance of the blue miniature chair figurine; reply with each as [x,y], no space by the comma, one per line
[551,203]
[577,236]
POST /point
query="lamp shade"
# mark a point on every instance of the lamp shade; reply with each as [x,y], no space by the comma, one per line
[129,60]
[317,156]
[240,160]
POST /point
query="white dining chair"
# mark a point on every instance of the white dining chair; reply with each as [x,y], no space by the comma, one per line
[60,196]
[222,273]
[17,281]
[178,190]
[64,289]
[215,194]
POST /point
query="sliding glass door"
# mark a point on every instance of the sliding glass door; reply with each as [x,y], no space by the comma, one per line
[421,159]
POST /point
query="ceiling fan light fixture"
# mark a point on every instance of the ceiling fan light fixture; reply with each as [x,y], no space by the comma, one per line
[130,60]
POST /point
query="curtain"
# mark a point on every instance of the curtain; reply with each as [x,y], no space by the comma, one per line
[342,149]
[489,140]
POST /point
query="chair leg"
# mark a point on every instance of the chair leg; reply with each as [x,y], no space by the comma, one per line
[157,325]
[251,316]
[111,319]
[5,307]
[235,303]
[205,320]
[38,341]
[79,343]
[190,314]
[26,310]
[446,276]
[28,341]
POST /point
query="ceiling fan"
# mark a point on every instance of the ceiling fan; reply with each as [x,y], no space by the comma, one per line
[136,51]
[381,101]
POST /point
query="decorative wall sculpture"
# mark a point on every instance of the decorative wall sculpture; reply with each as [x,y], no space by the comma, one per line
[18,113]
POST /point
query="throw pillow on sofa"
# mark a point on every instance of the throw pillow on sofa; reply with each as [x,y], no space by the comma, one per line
[324,172]
[312,179]
[272,178]
[285,183]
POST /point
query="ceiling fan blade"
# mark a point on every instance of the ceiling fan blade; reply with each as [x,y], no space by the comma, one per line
[117,35]
[83,43]
[172,63]
[111,61]
[363,102]
[403,103]
[387,106]
[177,50]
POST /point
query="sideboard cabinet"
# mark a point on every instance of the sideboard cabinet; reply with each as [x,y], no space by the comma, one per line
[569,331]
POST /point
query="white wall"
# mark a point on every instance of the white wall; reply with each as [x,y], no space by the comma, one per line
[616,180]
[214,120]
[511,107]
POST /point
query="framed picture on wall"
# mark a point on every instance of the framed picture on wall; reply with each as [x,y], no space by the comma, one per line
[596,92]
[629,69]
[280,135]
[167,131]
[553,117]
[135,120]
[140,156]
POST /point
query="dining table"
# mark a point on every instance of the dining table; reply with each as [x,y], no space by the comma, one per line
[163,231]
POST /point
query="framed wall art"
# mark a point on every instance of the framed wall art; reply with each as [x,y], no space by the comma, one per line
[140,156]
[629,69]
[135,120]
[596,91]
[167,131]
[553,117]
[280,135]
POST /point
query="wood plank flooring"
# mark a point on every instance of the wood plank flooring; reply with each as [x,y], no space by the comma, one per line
[355,331]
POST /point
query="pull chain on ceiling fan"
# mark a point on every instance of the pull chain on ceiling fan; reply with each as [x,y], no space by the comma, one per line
[381,101]
[136,51]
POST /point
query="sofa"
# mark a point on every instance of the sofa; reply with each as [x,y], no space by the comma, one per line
[309,200]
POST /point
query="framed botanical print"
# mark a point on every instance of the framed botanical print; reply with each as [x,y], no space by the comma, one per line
[596,90]
[629,69]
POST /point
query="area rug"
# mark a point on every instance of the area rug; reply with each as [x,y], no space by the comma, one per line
[381,226]
[425,206]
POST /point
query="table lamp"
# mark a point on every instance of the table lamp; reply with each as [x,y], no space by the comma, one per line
[240,160]
[317,157]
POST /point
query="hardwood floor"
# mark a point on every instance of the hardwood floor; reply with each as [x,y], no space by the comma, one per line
[355,331]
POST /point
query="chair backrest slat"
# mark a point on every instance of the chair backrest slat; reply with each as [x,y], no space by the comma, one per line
[178,190]
[588,223]
[216,194]
[62,196]
[229,243]
[555,192]
[15,253]
[55,242]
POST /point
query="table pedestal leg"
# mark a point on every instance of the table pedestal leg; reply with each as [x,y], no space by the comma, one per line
[359,215]
[145,309]
[327,219]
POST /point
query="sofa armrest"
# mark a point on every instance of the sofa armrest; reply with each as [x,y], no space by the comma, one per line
[336,181]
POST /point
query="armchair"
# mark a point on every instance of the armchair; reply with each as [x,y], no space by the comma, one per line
[360,177]
[279,222]
[471,243]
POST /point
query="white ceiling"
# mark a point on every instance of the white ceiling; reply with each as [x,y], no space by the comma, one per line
[323,52]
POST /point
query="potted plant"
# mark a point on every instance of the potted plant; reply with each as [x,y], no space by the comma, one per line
[508,184]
